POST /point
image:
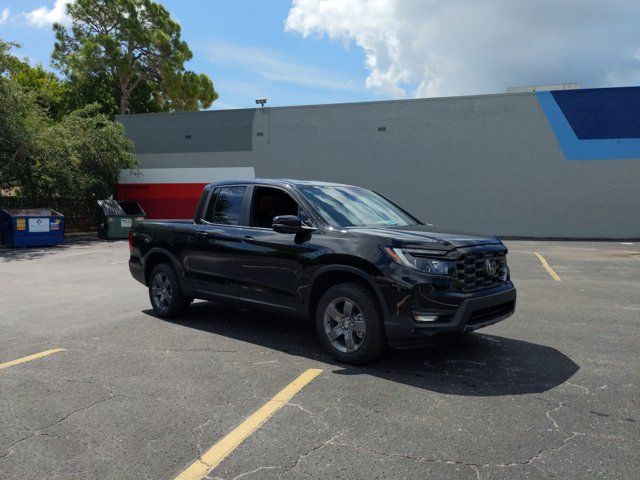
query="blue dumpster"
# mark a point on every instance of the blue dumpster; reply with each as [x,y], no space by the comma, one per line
[31,227]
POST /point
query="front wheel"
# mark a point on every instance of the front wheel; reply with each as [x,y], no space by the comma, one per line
[166,297]
[349,323]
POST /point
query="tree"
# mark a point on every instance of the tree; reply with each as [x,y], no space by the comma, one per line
[44,158]
[19,114]
[51,93]
[136,47]
[78,157]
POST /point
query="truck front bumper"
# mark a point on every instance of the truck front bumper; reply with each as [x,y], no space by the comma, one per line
[463,313]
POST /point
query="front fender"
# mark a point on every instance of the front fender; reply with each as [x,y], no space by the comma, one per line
[371,278]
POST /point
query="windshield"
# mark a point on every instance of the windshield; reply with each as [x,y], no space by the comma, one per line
[345,206]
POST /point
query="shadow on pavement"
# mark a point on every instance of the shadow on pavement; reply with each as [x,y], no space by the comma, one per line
[32,253]
[473,365]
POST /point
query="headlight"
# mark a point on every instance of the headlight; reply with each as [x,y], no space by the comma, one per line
[411,259]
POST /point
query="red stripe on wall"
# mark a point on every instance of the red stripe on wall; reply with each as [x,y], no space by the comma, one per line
[163,200]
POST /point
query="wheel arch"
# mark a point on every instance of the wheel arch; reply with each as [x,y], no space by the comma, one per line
[328,276]
[156,256]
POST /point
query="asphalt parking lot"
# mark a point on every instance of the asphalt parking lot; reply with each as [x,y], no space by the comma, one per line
[551,392]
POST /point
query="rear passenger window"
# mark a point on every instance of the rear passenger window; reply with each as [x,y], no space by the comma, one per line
[228,205]
[208,214]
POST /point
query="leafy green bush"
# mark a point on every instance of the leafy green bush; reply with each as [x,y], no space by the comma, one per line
[44,157]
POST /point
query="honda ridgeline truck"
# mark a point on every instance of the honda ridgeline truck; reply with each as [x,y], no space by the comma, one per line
[368,273]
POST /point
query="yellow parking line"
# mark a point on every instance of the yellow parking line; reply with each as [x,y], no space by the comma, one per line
[547,267]
[218,452]
[28,358]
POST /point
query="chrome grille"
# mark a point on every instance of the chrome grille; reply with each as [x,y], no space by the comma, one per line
[472,273]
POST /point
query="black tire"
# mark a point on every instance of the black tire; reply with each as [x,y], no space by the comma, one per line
[165,295]
[363,320]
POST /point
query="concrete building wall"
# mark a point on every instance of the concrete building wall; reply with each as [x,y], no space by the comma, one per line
[499,164]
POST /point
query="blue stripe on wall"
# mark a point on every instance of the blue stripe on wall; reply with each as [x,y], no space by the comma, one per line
[575,148]
[601,113]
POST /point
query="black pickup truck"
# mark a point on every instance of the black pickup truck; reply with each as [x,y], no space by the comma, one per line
[367,273]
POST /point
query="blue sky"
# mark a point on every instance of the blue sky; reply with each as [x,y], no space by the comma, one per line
[242,45]
[325,51]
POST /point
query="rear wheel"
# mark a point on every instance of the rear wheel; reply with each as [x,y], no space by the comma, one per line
[164,292]
[349,323]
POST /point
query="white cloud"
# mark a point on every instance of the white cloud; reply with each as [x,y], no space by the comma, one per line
[4,15]
[274,66]
[44,17]
[439,47]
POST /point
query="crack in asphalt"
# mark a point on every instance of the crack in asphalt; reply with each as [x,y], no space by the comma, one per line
[475,467]
[300,407]
[332,442]
[199,437]
[581,387]
[584,411]
[41,431]
[556,427]
[312,450]
[259,469]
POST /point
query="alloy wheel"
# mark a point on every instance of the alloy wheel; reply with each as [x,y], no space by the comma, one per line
[161,291]
[344,325]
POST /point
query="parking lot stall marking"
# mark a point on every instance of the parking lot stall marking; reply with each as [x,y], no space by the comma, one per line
[219,451]
[547,267]
[28,358]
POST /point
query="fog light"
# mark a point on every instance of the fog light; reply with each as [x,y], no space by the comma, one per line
[425,318]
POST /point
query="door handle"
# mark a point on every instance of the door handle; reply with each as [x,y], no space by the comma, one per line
[201,234]
[248,239]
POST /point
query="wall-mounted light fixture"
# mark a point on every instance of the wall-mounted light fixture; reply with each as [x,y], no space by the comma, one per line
[261,102]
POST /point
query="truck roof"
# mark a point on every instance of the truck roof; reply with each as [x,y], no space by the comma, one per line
[274,181]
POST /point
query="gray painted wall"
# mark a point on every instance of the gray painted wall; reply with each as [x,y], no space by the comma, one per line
[485,164]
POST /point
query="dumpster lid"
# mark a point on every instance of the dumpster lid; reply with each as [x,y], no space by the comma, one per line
[111,208]
[131,207]
[31,212]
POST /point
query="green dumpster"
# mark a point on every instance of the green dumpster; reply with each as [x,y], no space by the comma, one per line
[115,219]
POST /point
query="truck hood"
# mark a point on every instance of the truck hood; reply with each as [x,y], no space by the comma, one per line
[425,237]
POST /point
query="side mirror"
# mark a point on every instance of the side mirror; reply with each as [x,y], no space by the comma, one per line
[289,224]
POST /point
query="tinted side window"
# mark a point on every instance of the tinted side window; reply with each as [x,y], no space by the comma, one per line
[208,213]
[268,203]
[228,205]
